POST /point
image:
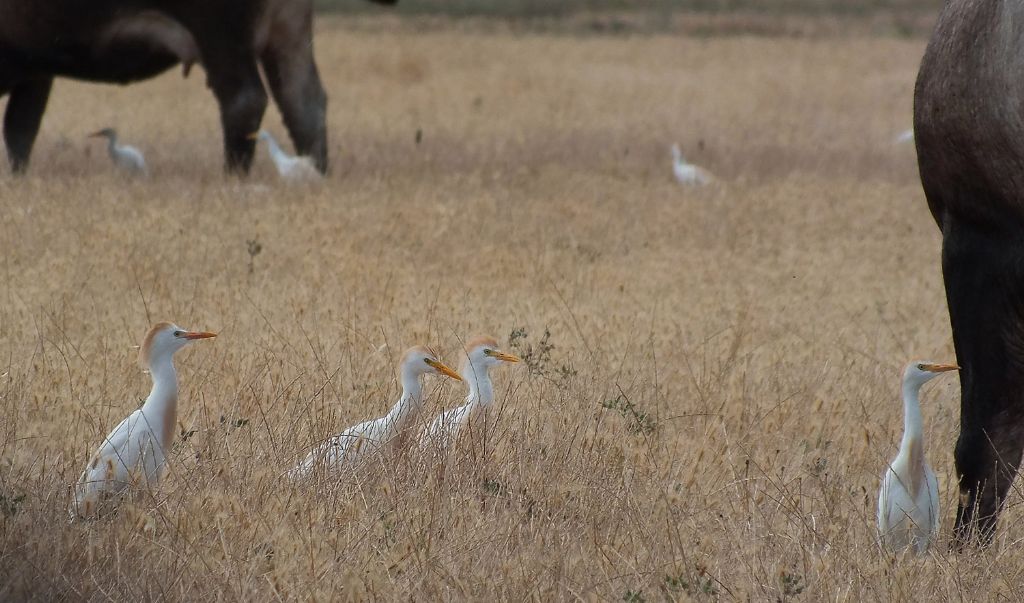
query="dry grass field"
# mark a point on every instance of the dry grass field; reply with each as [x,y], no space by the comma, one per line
[711,389]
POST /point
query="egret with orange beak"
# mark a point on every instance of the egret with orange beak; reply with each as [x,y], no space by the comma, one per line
[378,435]
[291,169]
[908,504]
[133,454]
[482,353]
[126,157]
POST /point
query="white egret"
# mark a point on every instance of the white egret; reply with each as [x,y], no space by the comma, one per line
[126,157]
[356,442]
[908,503]
[482,353]
[135,451]
[905,136]
[687,173]
[291,169]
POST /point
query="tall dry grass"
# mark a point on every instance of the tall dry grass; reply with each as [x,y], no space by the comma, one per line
[713,416]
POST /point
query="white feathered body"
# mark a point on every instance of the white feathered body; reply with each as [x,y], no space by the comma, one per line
[687,173]
[128,158]
[132,455]
[908,513]
[292,169]
[350,447]
[908,499]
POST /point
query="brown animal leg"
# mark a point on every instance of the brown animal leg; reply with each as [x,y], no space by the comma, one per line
[236,83]
[22,118]
[984,277]
[295,84]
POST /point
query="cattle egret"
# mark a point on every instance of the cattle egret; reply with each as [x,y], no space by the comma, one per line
[687,173]
[355,443]
[135,451]
[125,157]
[482,353]
[291,169]
[908,504]
[905,136]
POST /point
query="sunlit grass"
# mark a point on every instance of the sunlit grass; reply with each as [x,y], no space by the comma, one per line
[711,384]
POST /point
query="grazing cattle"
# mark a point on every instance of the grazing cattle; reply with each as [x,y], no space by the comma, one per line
[123,41]
[969,132]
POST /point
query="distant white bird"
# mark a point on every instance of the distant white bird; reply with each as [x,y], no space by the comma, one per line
[687,173]
[482,353]
[905,136]
[125,157]
[133,454]
[908,503]
[355,443]
[291,169]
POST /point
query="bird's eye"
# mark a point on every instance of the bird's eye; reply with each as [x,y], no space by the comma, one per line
[920,367]
[179,333]
[488,352]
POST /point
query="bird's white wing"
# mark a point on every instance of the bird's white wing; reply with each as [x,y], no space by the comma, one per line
[342,449]
[445,427]
[131,159]
[299,169]
[128,448]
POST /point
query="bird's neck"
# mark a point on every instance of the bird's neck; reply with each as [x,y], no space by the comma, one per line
[161,407]
[481,390]
[912,446]
[409,404]
[112,144]
[275,151]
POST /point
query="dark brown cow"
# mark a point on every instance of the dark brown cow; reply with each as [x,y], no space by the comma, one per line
[969,131]
[124,41]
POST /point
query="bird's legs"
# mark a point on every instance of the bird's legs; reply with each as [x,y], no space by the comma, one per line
[295,84]
[24,114]
[984,278]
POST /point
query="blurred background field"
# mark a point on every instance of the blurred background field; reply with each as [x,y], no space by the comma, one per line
[712,383]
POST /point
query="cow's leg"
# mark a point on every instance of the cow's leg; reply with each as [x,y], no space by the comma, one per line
[233,76]
[295,84]
[24,114]
[984,277]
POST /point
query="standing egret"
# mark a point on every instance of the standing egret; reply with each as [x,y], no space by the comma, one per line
[125,157]
[908,504]
[292,169]
[905,136]
[482,353]
[353,444]
[135,451]
[687,173]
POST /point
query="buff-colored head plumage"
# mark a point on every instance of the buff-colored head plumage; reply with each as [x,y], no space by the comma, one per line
[145,351]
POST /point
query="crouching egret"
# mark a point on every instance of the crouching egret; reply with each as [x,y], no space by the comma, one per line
[125,157]
[687,173]
[482,353]
[353,444]
[135,451]
[908,504]
[292,169]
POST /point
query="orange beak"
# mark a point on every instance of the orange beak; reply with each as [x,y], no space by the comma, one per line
[941,368]
[197,335]
[505,357]
[443,369]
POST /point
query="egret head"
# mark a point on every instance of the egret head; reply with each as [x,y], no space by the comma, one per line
[920,372]
[110,133]
[483,352]
[164,339]
[420,360]
[260,135]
